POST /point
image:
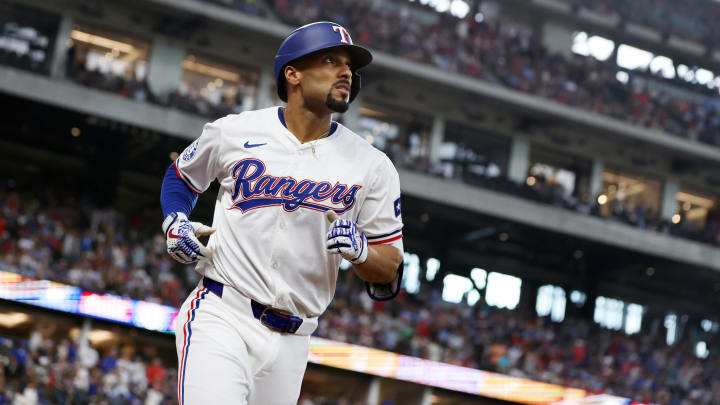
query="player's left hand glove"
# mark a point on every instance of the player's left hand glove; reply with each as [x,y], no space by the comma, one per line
[345,238]
[182,242]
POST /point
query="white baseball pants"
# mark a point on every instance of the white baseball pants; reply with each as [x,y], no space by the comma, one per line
[226,356]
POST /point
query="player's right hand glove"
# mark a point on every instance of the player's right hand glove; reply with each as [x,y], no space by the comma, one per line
[182,242]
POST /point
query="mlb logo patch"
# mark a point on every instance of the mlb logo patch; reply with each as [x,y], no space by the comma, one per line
[397,207]
[189,152]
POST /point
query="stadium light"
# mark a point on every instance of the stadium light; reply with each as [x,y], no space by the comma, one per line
[101,41]
[633,318]
[596,46]
[701,350]
[411,278]
[632,58]
[503,290]
[455,287]
[622,76]
[479,277]
[664,66]
[671,326]
[193,66]
[704,76]
[13,319]
[457,8]
[431,268]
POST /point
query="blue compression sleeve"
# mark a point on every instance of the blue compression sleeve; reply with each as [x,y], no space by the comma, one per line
[175,196]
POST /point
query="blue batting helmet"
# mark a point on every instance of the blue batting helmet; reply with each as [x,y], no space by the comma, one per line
[315,37]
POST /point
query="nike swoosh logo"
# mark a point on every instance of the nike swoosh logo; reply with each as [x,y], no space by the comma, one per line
[172,235]
[253,145]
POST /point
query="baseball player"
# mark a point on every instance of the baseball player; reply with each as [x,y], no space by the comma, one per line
[298,193]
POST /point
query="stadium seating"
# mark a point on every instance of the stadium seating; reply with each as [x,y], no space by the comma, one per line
[511,54]
[41,370]
[68,238]
[101,250]
[692,19]
[573,353]
[96,249]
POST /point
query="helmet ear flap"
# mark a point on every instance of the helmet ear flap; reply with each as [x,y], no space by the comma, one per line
[355,86]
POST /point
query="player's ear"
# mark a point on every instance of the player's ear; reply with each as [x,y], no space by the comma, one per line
[292,75]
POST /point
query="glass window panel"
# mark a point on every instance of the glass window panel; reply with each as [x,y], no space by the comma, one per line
[473,155]
[109,61]
[27,37]
[213,88]
[560,179]
[695,207]
[403,135]
[629,198]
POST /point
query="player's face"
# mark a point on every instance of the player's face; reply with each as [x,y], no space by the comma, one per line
[327,79]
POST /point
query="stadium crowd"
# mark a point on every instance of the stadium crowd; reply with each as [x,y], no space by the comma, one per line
[690,19]
[511,54]
[573,353]
[500,50]
[40,370]
[52,238]
[66,239]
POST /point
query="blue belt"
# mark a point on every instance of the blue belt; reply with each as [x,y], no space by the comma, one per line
[269,317]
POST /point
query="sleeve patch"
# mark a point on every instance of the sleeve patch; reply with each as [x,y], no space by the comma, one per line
[396,206]
[189,152]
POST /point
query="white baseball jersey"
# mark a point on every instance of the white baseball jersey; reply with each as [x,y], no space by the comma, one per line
[270,211]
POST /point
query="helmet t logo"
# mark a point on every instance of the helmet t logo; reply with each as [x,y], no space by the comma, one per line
[344,34]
